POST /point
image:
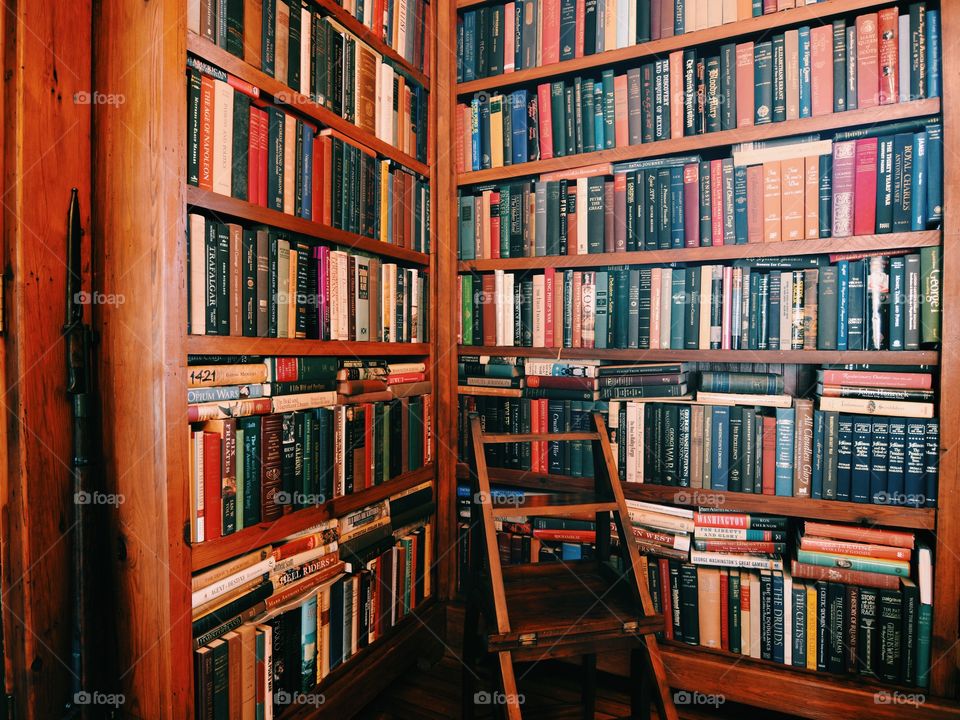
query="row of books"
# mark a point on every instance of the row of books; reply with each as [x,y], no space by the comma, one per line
[802,73]
[260,282]
[302,46]
[257,458]
[876,303]
[503,38]
[888,180]
[270,625]
[259,153]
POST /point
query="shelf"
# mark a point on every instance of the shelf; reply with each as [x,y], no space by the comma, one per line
[859,243]
[224,205]
[834,357]
[696,143]
[829,510]
[212,552]
[234,345]
[661,47]
[284,95]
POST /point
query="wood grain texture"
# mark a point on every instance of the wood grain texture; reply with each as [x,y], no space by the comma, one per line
[229,345]
[695,143]
[860,243]
[46,152]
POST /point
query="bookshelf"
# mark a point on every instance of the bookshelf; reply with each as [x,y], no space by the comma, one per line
[738,678]
[142,223]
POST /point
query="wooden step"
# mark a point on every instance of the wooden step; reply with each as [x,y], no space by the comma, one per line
[501,438]
[550,505]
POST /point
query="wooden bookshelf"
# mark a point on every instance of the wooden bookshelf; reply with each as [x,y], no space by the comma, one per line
[823,246]
[612,58]
[833,357]
[223,206]
[697,143]
[233,345]
[212,552]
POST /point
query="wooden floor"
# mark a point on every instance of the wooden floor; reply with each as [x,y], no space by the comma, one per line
[551,690]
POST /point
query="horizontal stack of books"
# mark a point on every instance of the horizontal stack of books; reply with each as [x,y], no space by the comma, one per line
[876,438]
[661,530]
[306,49]
[739,540]
[292,438]
[877,302]
[880,179]
[259,282]
[879,58]
[270,625]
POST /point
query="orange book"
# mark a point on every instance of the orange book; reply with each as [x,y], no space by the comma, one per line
[489,312]
[466,159]
[708,603]
[868,61]
[549,31]
[621,133]
[745,85]
[460,142]
[792,197]
[544,121]
[495,220]
[755,204]
[887,54]
[558,316]
[791,44]
[821,69]
[744,9]
[252,31]
[716,202]
[771,202]
[205,180]
[811,201]
[676,94]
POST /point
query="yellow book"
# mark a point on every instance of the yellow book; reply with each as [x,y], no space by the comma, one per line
[811,627]
[292,299]
[496,131]
[384,200]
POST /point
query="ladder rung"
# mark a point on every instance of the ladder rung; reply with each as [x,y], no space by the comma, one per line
[558,504]
[497,438]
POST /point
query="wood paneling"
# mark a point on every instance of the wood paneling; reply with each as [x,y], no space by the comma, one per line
[46,152]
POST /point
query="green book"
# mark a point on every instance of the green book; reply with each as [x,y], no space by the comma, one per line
[691,311]
[779,78]
[595,214]
[609,109]
[827,298]
[466,289]
[221,685]
[193,126]
[558,118]
[570,122]
[931,260]
[677,310]
[553,217]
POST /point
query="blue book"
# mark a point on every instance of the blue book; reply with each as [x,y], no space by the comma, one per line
[856,302]
[609,137]
[475,134]
[720,448]
[934,172]
[932,467]
[918,200]
[308,644]
[740,204]
[879,454]
[599,124]
[783,484]
[676,207]
[933,53]
[571,551]
[766,615]
[778,619]
[843,302]
[896,461]
[816,479]
[568,308]
[679,17]
[601,303]
[806,104]
[914,487]
[470,45]
[798,620]
[844,457]
[568,22]
[518,126]
[860,463]
[306,174]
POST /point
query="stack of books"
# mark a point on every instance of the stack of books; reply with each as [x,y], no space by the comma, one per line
[661,530]
[739,540]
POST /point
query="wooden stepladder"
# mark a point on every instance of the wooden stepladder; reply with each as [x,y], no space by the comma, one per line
[560,609]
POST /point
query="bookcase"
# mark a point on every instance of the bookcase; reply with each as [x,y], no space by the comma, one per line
[739,679]
[143,246]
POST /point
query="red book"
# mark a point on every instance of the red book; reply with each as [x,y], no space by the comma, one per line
[844,576]
[769,449]
[621,129]
[865,184]
[821,69]
[724,610]
[857,549]
[572,237]
[317,187]
[579,30]
[494,224]
[458,147]
[262,162]
[509,46]
[844,167]
[745,85]
[545,121]
[666,602]
[655,12]
[212,471]
[327,217]
[364,452]
[586,536]
[488,284]
[716,202]
[561,382]
[769,7]
[726,337]
[691,206]
[620,212]
[548,293]
[676,94]
[205,179]
[864,378]
[666,18]
[253,158]
[608,216]
[755,204]
[549,32]
[868,61]
[887,56]
[856,533]
[535,445]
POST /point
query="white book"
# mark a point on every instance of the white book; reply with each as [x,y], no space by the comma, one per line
[631,23]
[787,619]
[706,298]
[680,512]
[304,401]
[714,12]
[337,271]
[690,17]
[758,156]
[791,43]
[661,521]
[718,559]
[631,469]
[726,308]
[401,19]
[925,575]
[588,308]
[198,274]
[730,399]
[624,25]
[225,585]
[306,57]
[729,11]
[786,309]
[222,137]
[508,325]
[656,288]
[390,303]
[500,304]
[414,306]
[283,288]
[666,303]
[538,311]
[639,430]
[582,227]
[903,46]
[193,16]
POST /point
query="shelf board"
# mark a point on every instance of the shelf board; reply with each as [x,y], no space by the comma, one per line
[829,510]
[224,205]
[695,143]
[234,345]
[837,357]
[284,95]
[212,552]
[728,32]
[859,243]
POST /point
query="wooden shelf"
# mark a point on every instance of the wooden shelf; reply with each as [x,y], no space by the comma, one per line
[728,32]
[224,205]
[212,552]
[859,243]
[836,357]
[829,510]
[284,95]
[695,143]
[234,345]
